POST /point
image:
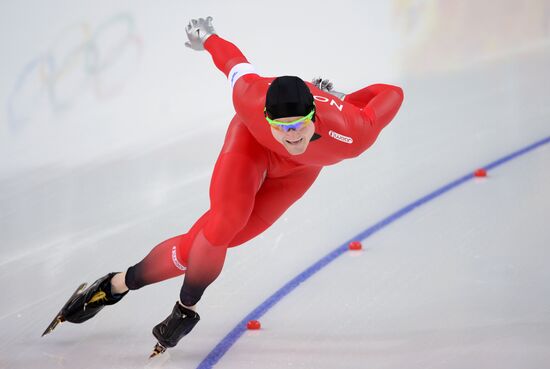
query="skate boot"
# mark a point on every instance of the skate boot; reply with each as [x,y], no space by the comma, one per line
[85,303]
[177,325]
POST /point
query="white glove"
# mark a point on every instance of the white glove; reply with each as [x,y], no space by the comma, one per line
[326,85]
[198,30]
[322,84]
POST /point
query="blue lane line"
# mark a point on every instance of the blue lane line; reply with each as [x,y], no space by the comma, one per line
[228,341]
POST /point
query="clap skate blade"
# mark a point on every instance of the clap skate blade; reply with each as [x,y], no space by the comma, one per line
[157,350]
[59,318]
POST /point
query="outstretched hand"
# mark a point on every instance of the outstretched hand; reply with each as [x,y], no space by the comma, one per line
[198,30]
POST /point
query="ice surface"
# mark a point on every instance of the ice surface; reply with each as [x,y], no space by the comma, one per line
[460,282]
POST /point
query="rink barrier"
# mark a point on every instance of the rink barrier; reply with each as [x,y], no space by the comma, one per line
[231,338]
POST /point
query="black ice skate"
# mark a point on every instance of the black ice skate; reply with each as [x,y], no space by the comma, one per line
[177,325]
[85,303]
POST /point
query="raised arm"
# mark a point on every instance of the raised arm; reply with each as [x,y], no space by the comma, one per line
[248,96]
[226,56]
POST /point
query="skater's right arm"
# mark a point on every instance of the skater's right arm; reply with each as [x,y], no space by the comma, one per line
[248,88]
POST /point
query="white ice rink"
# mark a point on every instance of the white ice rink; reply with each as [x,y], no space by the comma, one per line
[107,145]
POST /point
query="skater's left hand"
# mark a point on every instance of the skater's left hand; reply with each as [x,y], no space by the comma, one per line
[198,30]
[326,85]
[322,84]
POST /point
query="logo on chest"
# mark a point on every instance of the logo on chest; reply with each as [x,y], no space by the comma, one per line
[339,137]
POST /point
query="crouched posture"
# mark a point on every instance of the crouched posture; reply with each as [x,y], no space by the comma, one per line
[284,131]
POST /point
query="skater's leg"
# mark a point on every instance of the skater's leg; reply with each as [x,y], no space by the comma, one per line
[160,264]
[233,191]
[237,177]
[170,258]
[165,261]
[274,197]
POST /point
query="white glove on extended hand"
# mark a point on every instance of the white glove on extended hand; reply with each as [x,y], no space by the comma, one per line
[326,85]
[198,30]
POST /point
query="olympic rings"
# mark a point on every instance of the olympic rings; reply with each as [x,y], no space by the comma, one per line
[78,60]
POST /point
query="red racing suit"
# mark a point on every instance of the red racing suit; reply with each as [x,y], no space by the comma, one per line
[255,179]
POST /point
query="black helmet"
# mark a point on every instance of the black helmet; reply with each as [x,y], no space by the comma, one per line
[288,96]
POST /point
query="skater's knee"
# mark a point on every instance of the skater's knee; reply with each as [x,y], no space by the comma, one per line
[255,226]
[225,224]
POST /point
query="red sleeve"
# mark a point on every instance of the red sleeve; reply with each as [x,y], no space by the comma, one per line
[249,90]
[381,103]
[378,105]
[225,54]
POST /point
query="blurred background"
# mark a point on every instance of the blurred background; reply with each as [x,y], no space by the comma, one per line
[88,80]
[110,126]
